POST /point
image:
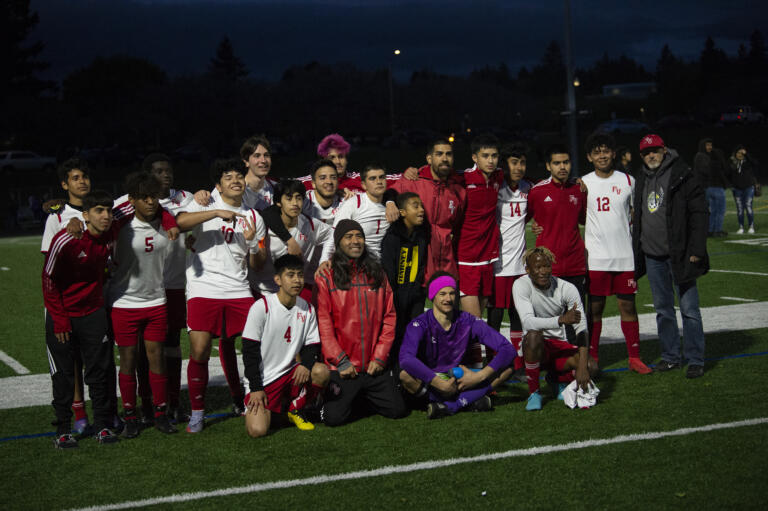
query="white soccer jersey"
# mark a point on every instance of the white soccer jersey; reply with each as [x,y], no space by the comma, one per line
[140,256]
[260,200]
[316,241]
[370,215]
[312,209]
[511,208]
[282,333]
[539,310]
[56,222]
[607,233]
[217,264]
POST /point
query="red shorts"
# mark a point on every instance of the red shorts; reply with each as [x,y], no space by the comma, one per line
[476,280]
[211,314]
[177,309]
[151,323]
[280,392]
[502,291]
[608,283]
[557,350]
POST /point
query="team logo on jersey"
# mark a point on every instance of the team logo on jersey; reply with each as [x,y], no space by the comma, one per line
[615,189]
[241,223]
[655,200]
[302,237]
[471,187]
[451,206]
[301,317]
[572,199]
[415,323]
[548,199]
[82,254]
[632,283]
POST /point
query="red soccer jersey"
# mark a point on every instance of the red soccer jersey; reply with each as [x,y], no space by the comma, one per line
[559,209]
[73,276]
[479,235]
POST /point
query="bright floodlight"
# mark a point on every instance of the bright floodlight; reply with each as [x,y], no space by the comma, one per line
[397,52]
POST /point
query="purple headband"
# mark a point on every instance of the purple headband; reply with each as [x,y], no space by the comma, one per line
[439,283]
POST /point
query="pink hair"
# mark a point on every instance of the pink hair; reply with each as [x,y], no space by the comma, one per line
[332,141]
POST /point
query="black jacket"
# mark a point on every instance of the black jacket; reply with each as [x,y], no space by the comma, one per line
[397,258]
[687,222]
[742,172]
[710,168]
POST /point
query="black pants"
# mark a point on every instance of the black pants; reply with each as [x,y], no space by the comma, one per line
[89,339]
[381,393]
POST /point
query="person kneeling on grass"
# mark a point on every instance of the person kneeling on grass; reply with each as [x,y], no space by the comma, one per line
[434,344]
[552,315]
[282,328]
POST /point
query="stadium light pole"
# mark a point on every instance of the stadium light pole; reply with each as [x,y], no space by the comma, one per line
[571,96]
[392,94]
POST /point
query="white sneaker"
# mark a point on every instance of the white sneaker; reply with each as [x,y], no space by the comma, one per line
[751,229]
[196,421]
[740,231]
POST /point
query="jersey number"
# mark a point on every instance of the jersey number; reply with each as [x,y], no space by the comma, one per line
[378,226]
[148,244]
[603,204]
[287,335]
[514,209]
[228,233]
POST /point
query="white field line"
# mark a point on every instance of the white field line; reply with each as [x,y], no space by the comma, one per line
[424,465]
[741,272]
[35,389]
[13,363]
[737,299]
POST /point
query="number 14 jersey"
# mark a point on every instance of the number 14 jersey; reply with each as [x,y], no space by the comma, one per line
[607,232]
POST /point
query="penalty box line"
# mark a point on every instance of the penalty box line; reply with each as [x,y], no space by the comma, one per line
[425,465]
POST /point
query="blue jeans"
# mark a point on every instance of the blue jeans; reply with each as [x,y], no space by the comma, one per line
[716,201]
[663,290]
[743,198]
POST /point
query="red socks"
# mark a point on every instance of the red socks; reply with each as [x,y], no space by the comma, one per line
[127,383]
[158,382]
[631,331]
[197,380]
[228,358]
[594,339]
[78,408]
[532,374]
[516,338]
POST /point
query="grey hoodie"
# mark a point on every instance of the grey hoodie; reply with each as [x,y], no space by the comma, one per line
[653,233]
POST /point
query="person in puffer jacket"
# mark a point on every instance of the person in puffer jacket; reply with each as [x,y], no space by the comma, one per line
[356,319]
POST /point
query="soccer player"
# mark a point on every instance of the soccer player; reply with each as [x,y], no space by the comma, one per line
[478,246]
[323,200]
[368,208]
[356,320]
[75,180]
[335,149]
[608,241]
[434,344]
[444,199]
[558,206]
[314,238]
[554,327]
[137,301]
[404,254]
[76,322]
[227,236]
[282,328]
[511,215]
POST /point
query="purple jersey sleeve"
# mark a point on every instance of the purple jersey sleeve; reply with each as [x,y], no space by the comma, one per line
[415,334]
[505,351]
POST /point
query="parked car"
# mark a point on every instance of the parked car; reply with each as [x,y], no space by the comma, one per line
[624,126]
[11,161]
[742,114]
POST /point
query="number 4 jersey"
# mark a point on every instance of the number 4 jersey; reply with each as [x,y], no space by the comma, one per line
[607,233]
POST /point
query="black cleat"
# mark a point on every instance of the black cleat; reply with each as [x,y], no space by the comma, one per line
[130,426]
[147,413]
[694,371]
[164,425]
[177,415]
[105,436]
[664,366]
[484,404]
[65,441]
[437,410]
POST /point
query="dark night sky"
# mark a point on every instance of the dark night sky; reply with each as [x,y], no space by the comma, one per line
[447,36]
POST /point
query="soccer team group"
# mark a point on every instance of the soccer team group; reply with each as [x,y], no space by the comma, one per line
[326,278]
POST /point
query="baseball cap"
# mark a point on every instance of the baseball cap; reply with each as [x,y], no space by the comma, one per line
[650,141]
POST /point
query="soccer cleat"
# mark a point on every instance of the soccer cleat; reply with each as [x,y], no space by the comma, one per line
[131,426]
[751,229]
[105,436]
[740,231]
[436,410]
[694,371]
[177,415]
[81,426]
[534,402]
[117,424]
[164,425]
[560,388]
[299,421]
[664,366]
[196,422]
[65,441]
[238,408]
[484,404]
[637,365]
[147,413]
